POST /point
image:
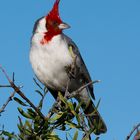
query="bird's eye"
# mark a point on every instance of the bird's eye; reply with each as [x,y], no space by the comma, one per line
[54,23]
[51,23]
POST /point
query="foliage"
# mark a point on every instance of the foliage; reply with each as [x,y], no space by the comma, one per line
[35,126]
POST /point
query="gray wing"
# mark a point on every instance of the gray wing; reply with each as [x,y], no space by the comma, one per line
[83,69]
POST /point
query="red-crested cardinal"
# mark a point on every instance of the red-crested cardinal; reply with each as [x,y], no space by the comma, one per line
[50,55]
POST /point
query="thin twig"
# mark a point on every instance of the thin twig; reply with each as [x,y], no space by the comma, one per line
[83,122]
[8,100]
[13,77]
[37,83]
[133,130]
[41,101]
[86,85]
[74,93]
[87,134]
[20,93]
[5,86]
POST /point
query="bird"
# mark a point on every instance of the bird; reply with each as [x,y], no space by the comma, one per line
[51,59]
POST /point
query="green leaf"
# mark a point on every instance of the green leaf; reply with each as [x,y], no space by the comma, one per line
[40,104]
[27,132]
[37,119]
[62,98]
[24,114]
[36,82]
[56,117]
[78,107]
[31,112]
[62,119]
[19,101]
[20,128]
[10,135]
[70,105]
[52,137]
[75,136]
[98,103]
[86,137]
[28,124]
[78,118]
[72,125]
[95,111]
[36,127]
[39,92]
[97,138]
[20,122]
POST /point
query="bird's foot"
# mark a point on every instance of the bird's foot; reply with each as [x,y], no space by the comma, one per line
[69,95]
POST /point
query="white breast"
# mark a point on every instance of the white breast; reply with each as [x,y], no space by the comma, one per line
[49,61]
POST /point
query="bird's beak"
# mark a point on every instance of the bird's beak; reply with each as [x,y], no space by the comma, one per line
[63,26]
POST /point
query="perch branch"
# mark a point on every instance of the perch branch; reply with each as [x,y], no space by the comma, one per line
[90,83]
[74,93]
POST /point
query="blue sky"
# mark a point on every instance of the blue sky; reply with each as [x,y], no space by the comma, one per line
[108,36]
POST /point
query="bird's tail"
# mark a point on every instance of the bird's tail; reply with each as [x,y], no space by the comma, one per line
[95,120]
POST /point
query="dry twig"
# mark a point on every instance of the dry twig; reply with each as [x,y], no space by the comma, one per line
[133,130]
[74,93]
[5,86]
[8,100]
[20,93]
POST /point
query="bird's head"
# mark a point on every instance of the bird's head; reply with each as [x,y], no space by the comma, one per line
[51,24]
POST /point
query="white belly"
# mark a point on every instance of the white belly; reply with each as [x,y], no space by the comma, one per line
[49,62]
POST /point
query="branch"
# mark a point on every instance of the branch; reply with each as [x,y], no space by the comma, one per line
[74,93]
[5,86]
[86,85]
[133,130]
[20,93]
[8,100]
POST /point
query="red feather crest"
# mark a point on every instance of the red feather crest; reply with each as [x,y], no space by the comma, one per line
[54,13]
